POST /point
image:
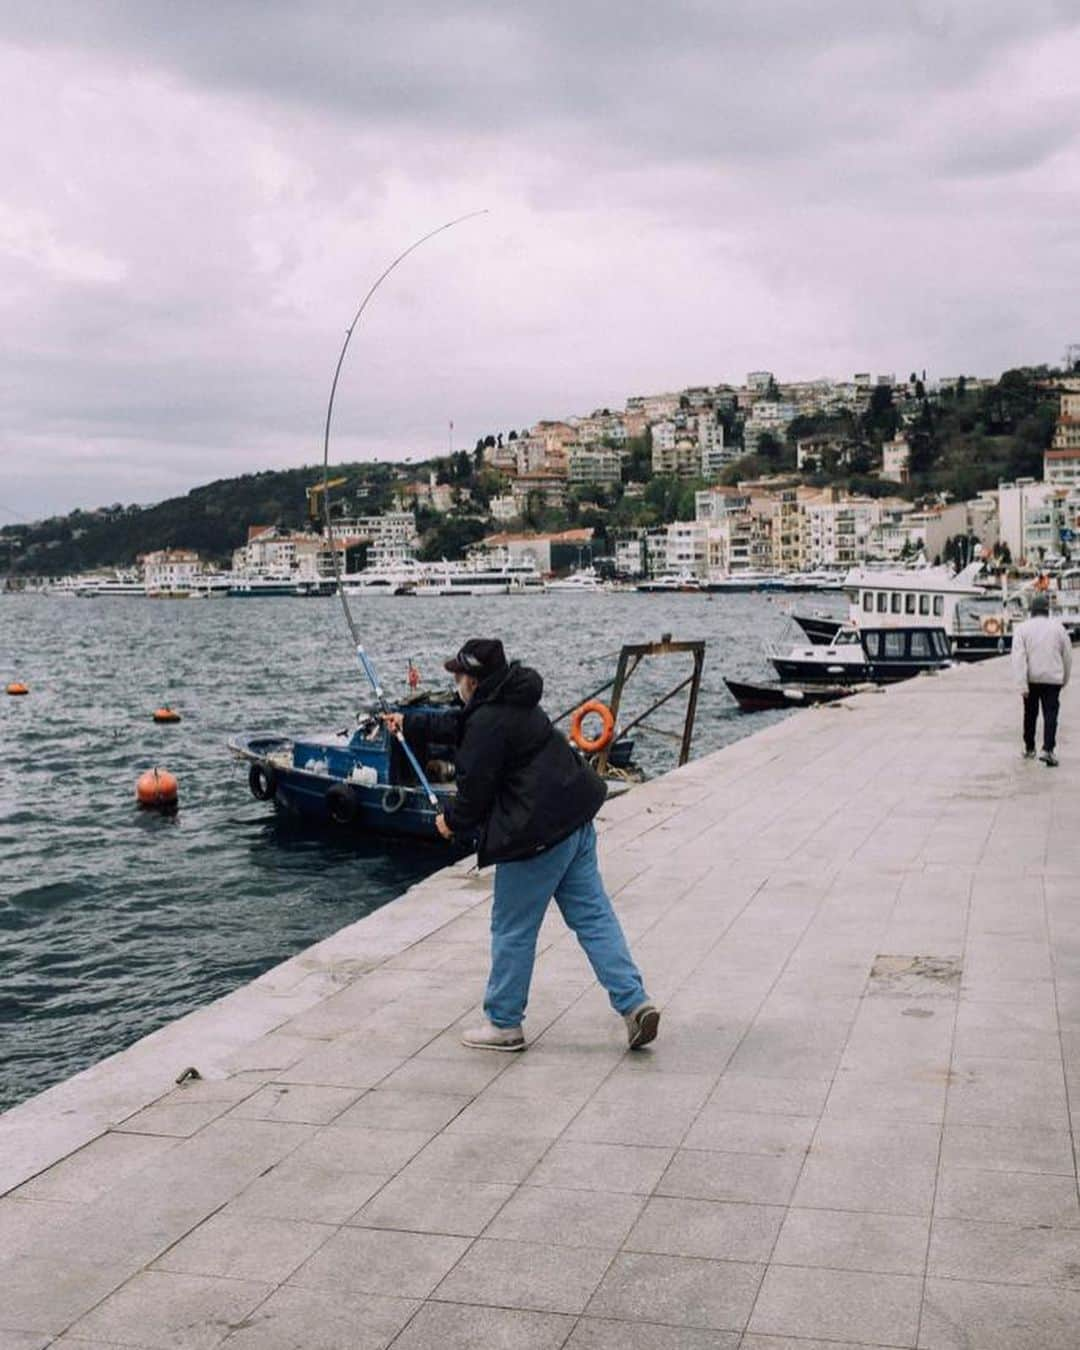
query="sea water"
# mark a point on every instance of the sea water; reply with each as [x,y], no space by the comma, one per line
[114,921]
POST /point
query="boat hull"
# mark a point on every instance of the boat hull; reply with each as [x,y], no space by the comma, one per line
[763,697]
[309,779]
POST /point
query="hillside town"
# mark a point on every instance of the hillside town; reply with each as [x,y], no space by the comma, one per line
[706,483]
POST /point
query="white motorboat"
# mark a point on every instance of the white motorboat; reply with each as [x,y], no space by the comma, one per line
[475,578]
[399,578]
[118,583]
[585,582]
[671,581]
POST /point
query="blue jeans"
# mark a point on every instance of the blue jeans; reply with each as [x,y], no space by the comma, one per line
[569,872]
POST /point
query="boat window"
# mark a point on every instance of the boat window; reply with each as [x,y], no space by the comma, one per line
[897,602]
[939,605]
[868,601]
[873,643]
[924,604]
[921,646]
[894,646]
[882,602]
[909,604]
[941,643]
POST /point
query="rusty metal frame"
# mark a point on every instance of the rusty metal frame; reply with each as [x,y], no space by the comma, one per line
[630,658]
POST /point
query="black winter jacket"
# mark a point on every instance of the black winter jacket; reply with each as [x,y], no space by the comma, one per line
[520,785]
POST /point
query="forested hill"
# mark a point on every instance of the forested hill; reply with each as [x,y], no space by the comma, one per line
[213,519]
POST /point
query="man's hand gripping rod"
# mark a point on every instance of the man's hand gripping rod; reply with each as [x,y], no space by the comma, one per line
[399,736]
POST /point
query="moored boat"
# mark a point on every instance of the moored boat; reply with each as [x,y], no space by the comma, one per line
[356,781]
[763,697]
[858,655]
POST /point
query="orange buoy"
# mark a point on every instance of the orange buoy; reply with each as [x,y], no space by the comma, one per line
[157,790]
[17,687]
[593,745]
[166,714]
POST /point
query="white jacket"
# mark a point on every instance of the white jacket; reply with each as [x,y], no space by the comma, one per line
[1041,652]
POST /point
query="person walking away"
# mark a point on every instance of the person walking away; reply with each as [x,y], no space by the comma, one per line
[1042,664]
[530,800]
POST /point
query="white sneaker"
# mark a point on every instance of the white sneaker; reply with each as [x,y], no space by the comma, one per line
[642,1024]
[490,1037]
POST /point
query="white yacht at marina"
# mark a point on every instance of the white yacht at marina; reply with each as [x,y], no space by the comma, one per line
[479,578]
[584,582]
[395,579]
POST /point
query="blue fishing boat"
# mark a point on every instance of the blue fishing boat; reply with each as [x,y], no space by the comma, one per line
[364,780]
[361,780]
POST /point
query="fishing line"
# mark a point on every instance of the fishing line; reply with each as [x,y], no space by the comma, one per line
[354,632]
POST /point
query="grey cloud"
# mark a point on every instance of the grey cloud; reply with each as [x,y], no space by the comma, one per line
[195,195]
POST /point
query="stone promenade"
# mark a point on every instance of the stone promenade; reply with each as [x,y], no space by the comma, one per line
[863,926]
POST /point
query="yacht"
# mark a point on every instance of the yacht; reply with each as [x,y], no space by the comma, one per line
[399,578]
[749,579]
[479,578]
[117,583]
[578,583]
[247,587]
[671,581]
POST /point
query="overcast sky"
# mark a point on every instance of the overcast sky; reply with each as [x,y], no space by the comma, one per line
[194,196]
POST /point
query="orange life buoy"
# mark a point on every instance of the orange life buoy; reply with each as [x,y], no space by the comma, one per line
[593,745]
[992,627]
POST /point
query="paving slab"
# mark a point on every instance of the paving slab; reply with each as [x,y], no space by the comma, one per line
[857,1128]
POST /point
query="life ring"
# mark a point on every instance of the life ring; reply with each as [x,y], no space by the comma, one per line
[341,804]
[593,745]
[393,799]
[992,627]
[262,781]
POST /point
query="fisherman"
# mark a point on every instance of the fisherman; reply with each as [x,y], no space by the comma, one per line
[529,799]
[1041,663]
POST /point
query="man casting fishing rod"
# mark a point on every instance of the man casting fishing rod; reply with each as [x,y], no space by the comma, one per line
[530,801]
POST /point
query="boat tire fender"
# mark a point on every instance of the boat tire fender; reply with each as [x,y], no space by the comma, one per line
[393,799]
[342,805]
[992,627]
[262,780]
[592,745]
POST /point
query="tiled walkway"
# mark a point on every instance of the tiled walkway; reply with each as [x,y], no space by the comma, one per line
[832,1143]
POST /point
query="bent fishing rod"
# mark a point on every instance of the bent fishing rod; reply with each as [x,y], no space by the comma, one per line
[354,632]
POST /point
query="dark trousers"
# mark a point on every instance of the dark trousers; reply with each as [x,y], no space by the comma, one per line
[1046,697]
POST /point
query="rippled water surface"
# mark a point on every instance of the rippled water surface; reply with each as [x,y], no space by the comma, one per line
[113,922]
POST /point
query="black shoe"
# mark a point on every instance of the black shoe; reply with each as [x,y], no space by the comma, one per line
[1049,759]
[1029,753]
[642,1024]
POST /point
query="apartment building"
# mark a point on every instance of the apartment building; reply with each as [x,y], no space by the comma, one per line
[596,464]
[836,532]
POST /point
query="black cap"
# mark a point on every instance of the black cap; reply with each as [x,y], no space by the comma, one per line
[479,657]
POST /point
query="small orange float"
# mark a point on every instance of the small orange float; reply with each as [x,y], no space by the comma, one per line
[166,714]
[157,790]
[17,687]
[592,745]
